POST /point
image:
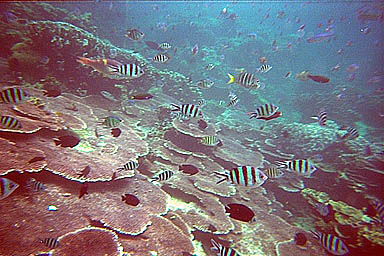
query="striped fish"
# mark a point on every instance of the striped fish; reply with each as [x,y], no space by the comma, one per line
[274,172]
[189,110]
[321,117]
[245,79]
[263,111]
[13,95]
[9,122]
[210,140]
[331,243]
[112,121]
[51,243]
[205,83]
[233,100]
[131,165]
[264,68]
[165,46]
[161,58]
[130,71]
[352,133]
[223,251]
[35,185]
[7,187]
[243,175]
[165,175]
[134,34]
[302,166]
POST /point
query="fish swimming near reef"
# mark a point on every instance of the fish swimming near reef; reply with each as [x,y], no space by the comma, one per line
[233,100]
[205,83]
[111,121]
[351,133]
[210,140]
[319,79]
[67,141]
[240,212]
[321,117]
[134,34]
[13,95]
[302,166]
[273,172]
[188,110]
[165,46]
[331,243]
[7,187]
[165,175]
[129,166]
[221,250]
[243,175]
[246,80]
[50,242]
[130,199]
[102,66]
[161,58]
[188,169]
[9,122]
[35,185]
[129,71]
[264,68]
[263,111]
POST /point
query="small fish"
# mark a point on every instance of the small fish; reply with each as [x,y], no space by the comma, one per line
[274,172]
[83,189]
[161,58]
[321,208]
[205,83]
[321,117]
[301,166]
[233,100]
[188,169]
[9,122]
[240,212]
[67,141]
[129,166]
[244,176]
[265,110]
[141,96]
[246,80]
[188,110]
[210,140]
[108,95]
[195,49]
[352,133]
[7,187]
[223,251]
[13,95]
[51,243]
[130,71]
[134,34]
[130,199]
[35,185]
[264,68]
[319,79]
[84,173]
[202,124]
[165,175]
[112,121]
[210,66]
[331,243]
[115,132]
[165,46]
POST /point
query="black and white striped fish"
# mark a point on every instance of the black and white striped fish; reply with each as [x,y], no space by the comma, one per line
[161,58]
[263,111]
[131,165]
[9,122]
[221,250]
[165,46]
[331,243]
[264,68]
[13,95]
[274,172]
[210,140]
[321,117]
[352,133]
[35,185]
[246,80]
[243,175]
[130,71]
[233,100]
[205,83]
[165,175]
[51,243]
[134,34]
[302,166]
[189,110]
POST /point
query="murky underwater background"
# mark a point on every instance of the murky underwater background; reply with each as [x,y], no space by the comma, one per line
[122,132]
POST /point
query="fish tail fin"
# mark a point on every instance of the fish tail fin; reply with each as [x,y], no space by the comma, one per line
[316,234]
[216,246]
[225,177]
[175,107]
[252,115]
[231,79]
